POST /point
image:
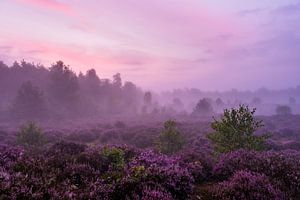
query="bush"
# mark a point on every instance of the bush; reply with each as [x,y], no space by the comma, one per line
[236,130]
[30,135]
[245,185]
[170,140]
[114,156]
[282,110]
[149,169]
[198,164]
[282,168]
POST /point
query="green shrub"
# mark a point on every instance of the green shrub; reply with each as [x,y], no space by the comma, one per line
[30,135]
[235,130]
[115,156]
[170,140]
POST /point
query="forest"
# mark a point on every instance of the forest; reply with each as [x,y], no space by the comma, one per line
[69,136]
[33,92]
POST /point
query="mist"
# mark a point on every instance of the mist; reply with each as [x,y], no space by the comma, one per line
[149,100]
[34,92]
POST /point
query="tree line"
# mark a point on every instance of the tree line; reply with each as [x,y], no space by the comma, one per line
[32,91]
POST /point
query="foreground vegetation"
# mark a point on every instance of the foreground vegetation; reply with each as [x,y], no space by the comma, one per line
[235,159]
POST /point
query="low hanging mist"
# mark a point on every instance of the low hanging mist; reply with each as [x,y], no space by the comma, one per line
[34,92]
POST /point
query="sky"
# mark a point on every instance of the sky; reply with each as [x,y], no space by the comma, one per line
[160,44]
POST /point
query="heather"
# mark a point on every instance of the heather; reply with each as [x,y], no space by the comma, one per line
[123,159]
[246,185]
[69,170]
[282,167]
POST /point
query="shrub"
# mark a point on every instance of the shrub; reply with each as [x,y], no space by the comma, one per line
[170,140]
[245,185]
[151,169]
[30,135]
[283,110]
[72,171]
[236,130]
[283,167]
[114,156]
[198,164]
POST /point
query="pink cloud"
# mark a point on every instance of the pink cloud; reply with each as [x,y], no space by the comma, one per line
[79,57]
[163,39]
[53,5]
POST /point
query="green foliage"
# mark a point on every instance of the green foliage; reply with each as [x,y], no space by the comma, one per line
[115,156]
[170,140]
[30,135]
[236,129]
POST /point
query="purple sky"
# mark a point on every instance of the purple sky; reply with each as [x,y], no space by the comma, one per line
[160,44]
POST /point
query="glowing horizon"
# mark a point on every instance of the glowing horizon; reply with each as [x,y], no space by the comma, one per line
[211,45]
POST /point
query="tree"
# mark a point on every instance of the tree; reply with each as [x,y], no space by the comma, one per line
[203,107]
[90,84]
[117,81]
[236,129]
[148,98]
[63,86]
[130,96]
[147,102]
[29,102]
[170,140]
[92,79]
[283,110]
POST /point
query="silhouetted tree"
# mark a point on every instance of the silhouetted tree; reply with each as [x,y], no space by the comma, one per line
[67,93]
[115,95]
[29,102]
[130,97]
[203,107]
[90,94]
[63,86]
[117,81]
[90,84]
[148,98]
[147,102]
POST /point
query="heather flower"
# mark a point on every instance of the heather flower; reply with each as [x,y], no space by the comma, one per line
[245,185]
